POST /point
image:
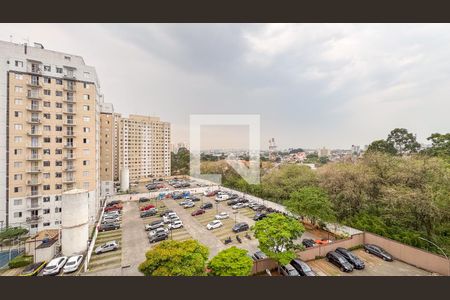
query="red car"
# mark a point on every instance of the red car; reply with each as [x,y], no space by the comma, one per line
[198,212]
[160,186]
[323,242]
[147,207]
[113,207]
[212,193]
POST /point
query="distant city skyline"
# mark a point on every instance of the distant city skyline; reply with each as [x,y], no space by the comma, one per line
[314,85]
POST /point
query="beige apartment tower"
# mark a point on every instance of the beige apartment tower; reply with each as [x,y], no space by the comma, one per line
[49,134]
[142,145]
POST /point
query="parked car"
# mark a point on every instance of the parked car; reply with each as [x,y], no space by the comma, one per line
[194,198]
[189,205]
[378,251]
[177,196]
[257,207]
[323,241]
[113,207]
[233,196]
[158,237]
[108,226]
[259,255]
[243,200]
[144,199]
[210,193]
[302,268]
[206,205]
[165,212]
[214,224]
[198,212]
[158,230]
[259,216]
[232,202]
[148,213]
[351,258]
[154,225]
[73,263]
[339,261]
[147,207]
[240,227]
[170,218]
[33,269]
[114,202]
[176,224]
[106,247]
[238,205]
[222,197]
[54,266]
[182,203]
[308,243]
[110,218]
[222,215]
[289,270]
[112,213]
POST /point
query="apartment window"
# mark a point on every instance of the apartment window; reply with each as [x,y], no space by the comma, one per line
[47,92]
[47,68]
[47,116]
[46,151]
[46,187]
[46,199]
[47,80]
[58,128]
[18,101]
[59,70]
[86,129]
[58,175]
[59,81]
[17,189]
[46,140]
[46,224]
[46,163]
[17,151]
[18,126]
[58,186]
[58,140]
[18,214]
[34,226]
[58,105]
[17,164]
[58,151]
[18,202]
[58,209]
[18,89]
[86,97]
[59,93]
[46,175]
[46,211]
[19,76]
[86,173]
[17,176]
[58,163]
[46,104]
[57,198]
[19,63]
[85,163]
[58,117]
[86,107]
[86,119]
[47,128]
[18,139]
[18,114]
[85,141]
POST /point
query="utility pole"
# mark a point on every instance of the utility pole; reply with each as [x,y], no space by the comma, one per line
[443,252]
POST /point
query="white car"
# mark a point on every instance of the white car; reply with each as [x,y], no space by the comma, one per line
[170,218]
[73,263]
[159,230]
[239,205]
[108,246]
[222,197]
[54,266]
[214,224]
[176,224]
[189,204]
[222,215]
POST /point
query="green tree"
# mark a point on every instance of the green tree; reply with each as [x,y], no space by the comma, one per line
[173,258]
[180,162]
[231,262]
[312,202]
[440,145]
[403,141]
[276,234]
[382,146]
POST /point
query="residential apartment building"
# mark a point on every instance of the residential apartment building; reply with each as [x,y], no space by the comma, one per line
[107,141]
[49,134]
[142,146]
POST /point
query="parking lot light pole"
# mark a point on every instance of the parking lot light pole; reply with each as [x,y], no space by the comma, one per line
[443,252]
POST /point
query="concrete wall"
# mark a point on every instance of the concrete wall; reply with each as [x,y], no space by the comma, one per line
[261,265]
[410,255]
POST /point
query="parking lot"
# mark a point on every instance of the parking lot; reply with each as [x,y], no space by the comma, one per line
[374,267]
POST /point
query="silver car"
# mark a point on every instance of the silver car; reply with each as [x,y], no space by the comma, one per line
[108,246]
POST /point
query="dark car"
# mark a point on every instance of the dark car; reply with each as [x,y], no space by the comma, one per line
[144,199]
[240,227]
[339,261]
[206,205]
[243,200]
[351,258]
[148,213]
[259,255]
[177,196]
[114,202]
[108,226]
[198,212]
[289,270]
[155,224]
[257,207]
[259,216]
[194,198]
[233,196]
[378,251]
[158,237]
[308,243]
[165,212]
[33,269]
[233,202]
[302,268]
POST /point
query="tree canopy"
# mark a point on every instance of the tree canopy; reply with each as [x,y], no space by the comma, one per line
[174,258]
[404,142]
[231,262]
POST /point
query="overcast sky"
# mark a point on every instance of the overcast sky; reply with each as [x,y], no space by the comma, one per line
[313,85]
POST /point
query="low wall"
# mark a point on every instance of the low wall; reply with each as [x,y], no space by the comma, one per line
[261,265]
[410,255]
[322,250]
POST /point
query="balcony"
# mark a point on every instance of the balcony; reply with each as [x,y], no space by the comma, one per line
[69,169]
[69,157]
[70,88]
[69,133]
[34,145]
[34,133]
[34,83]
[34,195]
[69,99]
[34,157]
[68,180]
[70,146]
[34,121]
[69,75]
[69,123]
[34,108]
[33,219]
[33,95]
[34,206]
[33,182]
[70,111]
[34,170]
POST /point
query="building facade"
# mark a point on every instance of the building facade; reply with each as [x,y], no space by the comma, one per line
[107,141]
[142,146]
[49,134]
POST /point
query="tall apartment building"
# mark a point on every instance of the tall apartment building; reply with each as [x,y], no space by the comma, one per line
[142,146]
[107,141]
[49,134]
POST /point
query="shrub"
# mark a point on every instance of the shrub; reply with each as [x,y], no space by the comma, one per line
[12,232]
[20,261]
